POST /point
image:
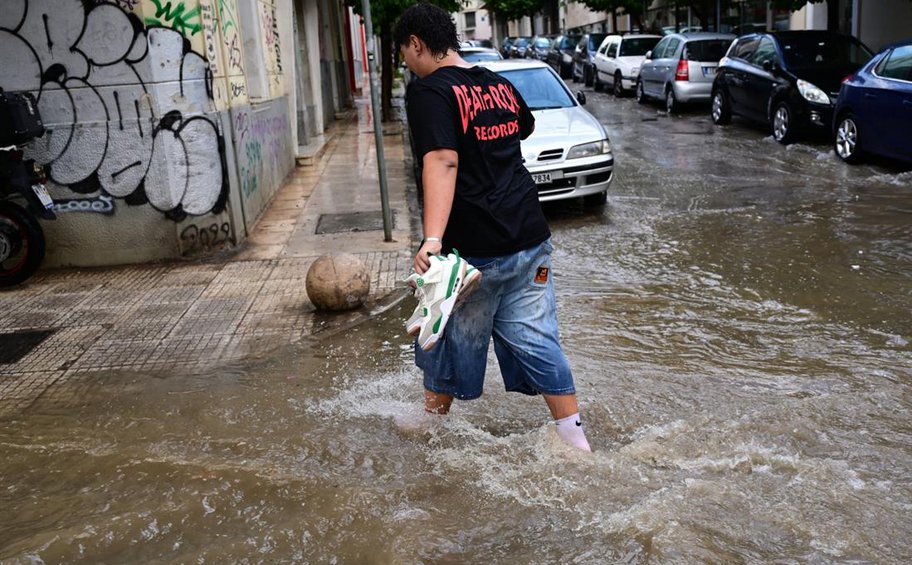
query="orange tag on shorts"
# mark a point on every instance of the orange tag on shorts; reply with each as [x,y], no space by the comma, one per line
[541,276]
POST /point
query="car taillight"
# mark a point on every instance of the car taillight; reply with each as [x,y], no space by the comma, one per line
[683,72]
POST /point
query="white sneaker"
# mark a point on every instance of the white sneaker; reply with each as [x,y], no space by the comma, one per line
[446,282]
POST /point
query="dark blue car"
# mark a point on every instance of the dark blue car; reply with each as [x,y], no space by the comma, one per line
[874,111]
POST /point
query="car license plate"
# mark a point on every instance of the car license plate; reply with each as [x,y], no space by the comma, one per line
[541,178]
[43,195]
[709,71]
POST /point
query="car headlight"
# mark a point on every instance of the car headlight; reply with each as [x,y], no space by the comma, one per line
[567,58]
[602,147]
[634,71]
[811,93]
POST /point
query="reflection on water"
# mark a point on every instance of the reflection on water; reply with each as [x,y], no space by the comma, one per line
[740,339]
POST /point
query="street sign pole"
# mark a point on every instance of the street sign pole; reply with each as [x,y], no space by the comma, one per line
[378,128]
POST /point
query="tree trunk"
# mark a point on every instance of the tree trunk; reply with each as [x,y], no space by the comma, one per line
[386,88]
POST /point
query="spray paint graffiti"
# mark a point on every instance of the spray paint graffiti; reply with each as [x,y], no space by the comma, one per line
[124,104]
[187,24]
[262,139]
[101,205]
[195,237]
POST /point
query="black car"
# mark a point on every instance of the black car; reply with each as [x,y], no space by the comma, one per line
[583,69]
[560,55]
[788,79]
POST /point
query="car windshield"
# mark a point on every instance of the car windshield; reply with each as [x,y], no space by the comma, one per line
[540,88]
[521,42]
[706,51]
[823,52]
[569,42]
[543,42]
[475,56]
[637,47]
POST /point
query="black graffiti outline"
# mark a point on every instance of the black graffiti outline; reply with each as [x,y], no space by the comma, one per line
[58,73]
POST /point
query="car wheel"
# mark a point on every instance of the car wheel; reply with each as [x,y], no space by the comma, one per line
[564,70]
[671,103]
[783,126]
[587,76]
[721,111]
[597,84]
[573,75]
[598,199]
[846,143]
[618,86]
[640,94]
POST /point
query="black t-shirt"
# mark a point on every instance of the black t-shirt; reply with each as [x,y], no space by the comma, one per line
[482,117]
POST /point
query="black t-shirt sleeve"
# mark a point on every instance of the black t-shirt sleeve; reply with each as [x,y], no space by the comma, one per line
[431,120]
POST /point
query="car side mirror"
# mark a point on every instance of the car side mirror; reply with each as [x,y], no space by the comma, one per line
[770,66]
[649,54]
[581,97]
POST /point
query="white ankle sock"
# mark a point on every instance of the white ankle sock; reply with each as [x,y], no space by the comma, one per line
[570,429]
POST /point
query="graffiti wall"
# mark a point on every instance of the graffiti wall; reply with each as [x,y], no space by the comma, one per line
[135,95]
[262,147]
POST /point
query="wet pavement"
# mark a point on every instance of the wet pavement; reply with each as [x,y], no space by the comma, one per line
[737,318]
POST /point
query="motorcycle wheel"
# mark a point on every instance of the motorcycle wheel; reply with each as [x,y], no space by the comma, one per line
[22,244]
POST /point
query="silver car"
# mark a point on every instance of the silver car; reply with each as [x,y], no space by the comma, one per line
[681,68]
[569,154]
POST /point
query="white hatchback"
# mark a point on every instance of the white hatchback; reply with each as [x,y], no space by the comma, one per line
[569,154]
[618,60]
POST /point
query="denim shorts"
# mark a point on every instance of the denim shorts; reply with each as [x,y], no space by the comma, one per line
[513,303]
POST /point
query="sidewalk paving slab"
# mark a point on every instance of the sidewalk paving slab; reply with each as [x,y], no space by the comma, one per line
[201,313]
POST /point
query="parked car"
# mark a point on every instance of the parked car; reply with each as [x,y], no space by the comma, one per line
[583,69]
[569,154]
[618,60]
[475,54]
[788,79]
[560,56]
[506,46]
[518,49]
[539,47]
[874,110]
[681,68]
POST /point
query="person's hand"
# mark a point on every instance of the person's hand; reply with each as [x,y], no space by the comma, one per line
[422,261]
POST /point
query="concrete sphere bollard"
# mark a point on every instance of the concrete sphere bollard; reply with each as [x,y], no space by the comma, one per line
[337,282]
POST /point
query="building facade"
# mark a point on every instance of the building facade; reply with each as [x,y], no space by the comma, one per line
[170,125]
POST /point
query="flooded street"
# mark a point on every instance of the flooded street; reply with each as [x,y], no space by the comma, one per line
[738,321]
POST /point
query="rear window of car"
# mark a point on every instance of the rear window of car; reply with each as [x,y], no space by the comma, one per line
[475,56]
[706,51]
[897,65]
[816,51]
[638,46]
[540,88]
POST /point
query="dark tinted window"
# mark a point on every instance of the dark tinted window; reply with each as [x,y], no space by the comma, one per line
[706,51]
[638,46]
[766,52]
[823,51]
[595,40]
[746,48]
[569,42]
[898,64]
[612,49]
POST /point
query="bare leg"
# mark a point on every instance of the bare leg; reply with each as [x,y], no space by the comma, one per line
[436,403]
[561,405]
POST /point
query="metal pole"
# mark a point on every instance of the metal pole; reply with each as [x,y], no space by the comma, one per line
[378,128]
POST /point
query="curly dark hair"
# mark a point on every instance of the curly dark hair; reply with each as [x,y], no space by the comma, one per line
[429,23]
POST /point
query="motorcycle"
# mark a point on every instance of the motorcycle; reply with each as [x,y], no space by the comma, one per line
[22,244]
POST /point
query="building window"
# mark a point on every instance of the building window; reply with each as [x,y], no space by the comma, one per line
[470,20]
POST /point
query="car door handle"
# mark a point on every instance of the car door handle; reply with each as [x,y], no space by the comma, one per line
[907,102]
[870,96]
